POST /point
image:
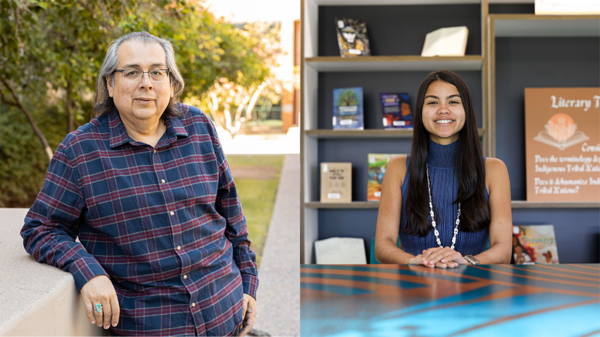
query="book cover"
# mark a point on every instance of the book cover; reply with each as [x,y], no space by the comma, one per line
[396,111]
[336,182]
[341,251]
[534,244]
[352,37]
[377,165]
[562,143]
[348,108]
[449,41]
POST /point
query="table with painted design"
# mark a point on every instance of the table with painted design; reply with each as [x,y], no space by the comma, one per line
[416,301]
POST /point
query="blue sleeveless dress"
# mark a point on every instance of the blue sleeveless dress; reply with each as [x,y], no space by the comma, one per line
[444,189]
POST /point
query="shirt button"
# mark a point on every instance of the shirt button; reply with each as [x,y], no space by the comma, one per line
[172,213]
[193,304]
[178,247]
[162,181]
[184,277]
[154,150]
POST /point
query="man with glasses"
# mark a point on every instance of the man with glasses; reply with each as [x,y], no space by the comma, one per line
[164,246]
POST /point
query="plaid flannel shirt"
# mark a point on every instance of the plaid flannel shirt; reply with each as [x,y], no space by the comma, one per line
[164,223]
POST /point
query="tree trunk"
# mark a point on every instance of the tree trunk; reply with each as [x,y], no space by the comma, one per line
[17,104]
[214,109]
[69,104]
[253,100]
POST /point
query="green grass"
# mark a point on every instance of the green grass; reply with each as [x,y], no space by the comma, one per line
[257,195]
[240,161]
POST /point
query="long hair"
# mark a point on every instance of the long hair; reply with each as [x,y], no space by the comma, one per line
[470,167]
[104,103]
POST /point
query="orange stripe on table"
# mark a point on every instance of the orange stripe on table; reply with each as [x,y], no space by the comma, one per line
[431,292]
[508,293]
[553,274]
[539,278]
[425,280]
[567,270]
[587,267]
[374,287]
[449,272]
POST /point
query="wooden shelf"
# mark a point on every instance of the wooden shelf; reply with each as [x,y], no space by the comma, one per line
[345,205]
[394,63]
[530,25]
[514,204]
[340,134]
[376,133]
[391,2]
[534,204]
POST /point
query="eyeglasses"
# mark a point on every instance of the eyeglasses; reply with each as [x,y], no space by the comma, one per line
[135,75]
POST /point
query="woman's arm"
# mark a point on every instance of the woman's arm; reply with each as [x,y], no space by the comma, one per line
[498,184]
[388,217]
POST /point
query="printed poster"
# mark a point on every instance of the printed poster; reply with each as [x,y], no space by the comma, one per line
[562,139]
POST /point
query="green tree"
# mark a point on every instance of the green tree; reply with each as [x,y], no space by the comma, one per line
[50,55]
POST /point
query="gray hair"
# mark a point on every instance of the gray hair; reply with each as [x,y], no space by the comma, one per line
[104,103]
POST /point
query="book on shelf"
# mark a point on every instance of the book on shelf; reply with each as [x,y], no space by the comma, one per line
[396,111]
[376,170]
[348,109]
[341,251]
[449,41]
[534,244]
[336,182]
[352,37]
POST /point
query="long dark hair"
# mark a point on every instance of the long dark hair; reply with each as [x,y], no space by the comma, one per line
[470,169]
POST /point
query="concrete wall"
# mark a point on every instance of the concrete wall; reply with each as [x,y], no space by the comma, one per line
[35,299]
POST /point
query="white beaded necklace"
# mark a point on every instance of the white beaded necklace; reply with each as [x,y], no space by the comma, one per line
[435,231]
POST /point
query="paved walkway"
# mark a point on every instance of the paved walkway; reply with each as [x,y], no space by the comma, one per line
[261,144]
[278,297]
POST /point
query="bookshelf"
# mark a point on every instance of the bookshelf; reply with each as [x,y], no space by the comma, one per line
[526,50]
[396,66]
[509,48]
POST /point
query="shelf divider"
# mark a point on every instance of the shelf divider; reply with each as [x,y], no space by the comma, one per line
[369,133]
[547,204]
[531,25]
[395,63]
[344,205]
[514,204]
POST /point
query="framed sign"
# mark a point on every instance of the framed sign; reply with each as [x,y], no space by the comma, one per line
[562,139]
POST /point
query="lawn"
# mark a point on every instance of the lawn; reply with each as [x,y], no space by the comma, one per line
[256,179]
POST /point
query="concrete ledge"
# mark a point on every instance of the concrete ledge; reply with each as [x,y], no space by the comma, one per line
[35,299]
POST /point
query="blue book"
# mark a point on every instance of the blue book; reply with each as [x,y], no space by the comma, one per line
[396,111]
[348,109]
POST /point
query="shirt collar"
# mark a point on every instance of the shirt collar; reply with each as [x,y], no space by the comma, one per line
[118,135]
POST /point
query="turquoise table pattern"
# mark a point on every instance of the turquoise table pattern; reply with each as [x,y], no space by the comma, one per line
[416,301]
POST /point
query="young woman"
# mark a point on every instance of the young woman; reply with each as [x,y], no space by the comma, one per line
[445,201]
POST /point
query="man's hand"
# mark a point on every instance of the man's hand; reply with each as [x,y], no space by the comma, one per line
[99,290]
[249,315]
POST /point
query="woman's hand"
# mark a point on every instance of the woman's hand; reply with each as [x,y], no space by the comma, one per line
[440,257]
